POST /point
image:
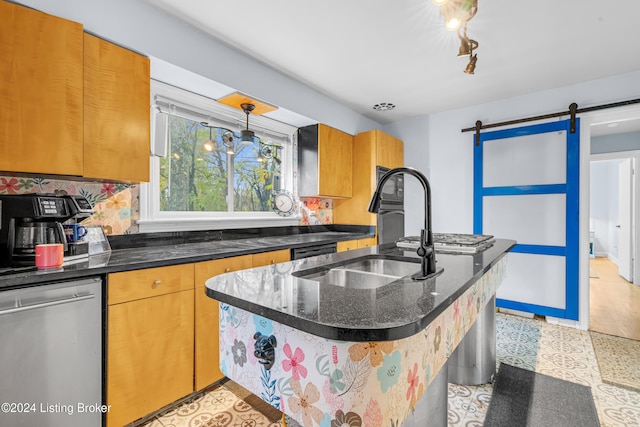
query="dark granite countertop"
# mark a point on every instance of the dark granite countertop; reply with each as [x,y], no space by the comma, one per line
[163,249]
[397,310]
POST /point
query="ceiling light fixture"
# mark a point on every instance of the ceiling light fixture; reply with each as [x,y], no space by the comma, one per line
[457,14]
[247,136]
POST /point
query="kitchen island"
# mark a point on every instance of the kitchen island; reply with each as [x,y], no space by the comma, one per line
[341,353]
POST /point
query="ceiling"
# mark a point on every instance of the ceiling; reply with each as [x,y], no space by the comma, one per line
[365,52]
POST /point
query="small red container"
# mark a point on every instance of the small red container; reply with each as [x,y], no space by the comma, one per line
[49,255]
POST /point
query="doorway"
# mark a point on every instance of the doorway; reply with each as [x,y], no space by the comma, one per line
[614,301]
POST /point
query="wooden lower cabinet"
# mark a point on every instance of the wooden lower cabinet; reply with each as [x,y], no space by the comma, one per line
[162,334]
[149,355]
[349,245]
[207,343]
[273,257]
[365,243]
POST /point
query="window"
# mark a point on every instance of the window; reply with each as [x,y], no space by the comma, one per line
[203,176]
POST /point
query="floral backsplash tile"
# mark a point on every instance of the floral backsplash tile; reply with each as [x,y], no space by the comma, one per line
[321,211]
[116,205]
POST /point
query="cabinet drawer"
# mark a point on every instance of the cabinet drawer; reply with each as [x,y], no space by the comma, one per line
[365,243]
[347,245]
[138,284]
[273,257]
[207,269]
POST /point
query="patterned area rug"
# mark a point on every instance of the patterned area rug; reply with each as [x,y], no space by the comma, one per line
[618,360]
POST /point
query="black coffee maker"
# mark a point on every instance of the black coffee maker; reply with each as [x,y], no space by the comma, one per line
[27,220]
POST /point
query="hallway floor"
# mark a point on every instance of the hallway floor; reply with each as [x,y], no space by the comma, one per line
[614,302]
[553,350]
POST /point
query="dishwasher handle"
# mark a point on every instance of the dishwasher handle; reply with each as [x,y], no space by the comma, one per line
[46,304]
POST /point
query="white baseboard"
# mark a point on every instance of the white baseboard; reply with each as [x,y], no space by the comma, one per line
[566,322]
[515,312]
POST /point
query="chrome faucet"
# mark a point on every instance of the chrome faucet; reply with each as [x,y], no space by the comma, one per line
[426,250]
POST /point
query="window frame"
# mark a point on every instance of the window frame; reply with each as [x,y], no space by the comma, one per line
[152,219]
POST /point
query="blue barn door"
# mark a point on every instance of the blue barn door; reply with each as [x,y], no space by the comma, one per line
[526,188]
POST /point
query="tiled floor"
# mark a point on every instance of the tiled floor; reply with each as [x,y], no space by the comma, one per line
[527,343]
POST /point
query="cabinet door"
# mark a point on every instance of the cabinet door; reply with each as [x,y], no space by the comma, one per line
[149,355]
[334,162]
[390,151]
[273,257]
[207,324]
[116,112]
[40,92]
[354,210]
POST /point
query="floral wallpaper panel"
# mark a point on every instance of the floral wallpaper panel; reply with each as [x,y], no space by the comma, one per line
[328,383]
[116,205]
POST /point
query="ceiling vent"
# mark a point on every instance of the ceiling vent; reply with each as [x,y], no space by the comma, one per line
[384,106]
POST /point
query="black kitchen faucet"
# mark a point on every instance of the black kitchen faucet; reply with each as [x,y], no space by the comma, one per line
[426,250]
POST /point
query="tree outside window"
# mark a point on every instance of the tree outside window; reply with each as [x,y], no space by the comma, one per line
[199,173]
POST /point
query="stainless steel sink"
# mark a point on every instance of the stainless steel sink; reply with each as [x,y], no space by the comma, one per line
[351,278]
[367,273]
[384,266]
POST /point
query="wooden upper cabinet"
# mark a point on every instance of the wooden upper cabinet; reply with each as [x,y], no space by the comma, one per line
[334,161]
[40,92]
[325,161]
[389,150]
[116,112]
[370,149]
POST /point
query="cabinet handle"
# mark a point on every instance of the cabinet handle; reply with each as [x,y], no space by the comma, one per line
[228,269]
[273,261]
[157,282]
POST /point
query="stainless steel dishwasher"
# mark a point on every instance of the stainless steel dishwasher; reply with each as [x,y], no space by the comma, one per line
[51,355]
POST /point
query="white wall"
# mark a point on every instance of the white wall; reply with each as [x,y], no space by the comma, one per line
[604,207]
[415,134]
[614,143]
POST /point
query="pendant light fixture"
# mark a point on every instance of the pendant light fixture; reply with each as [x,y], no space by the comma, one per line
[227,138]
[210,143]
[268,152]
[247,136]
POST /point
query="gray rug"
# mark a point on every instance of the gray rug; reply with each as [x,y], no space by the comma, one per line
[525,398]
